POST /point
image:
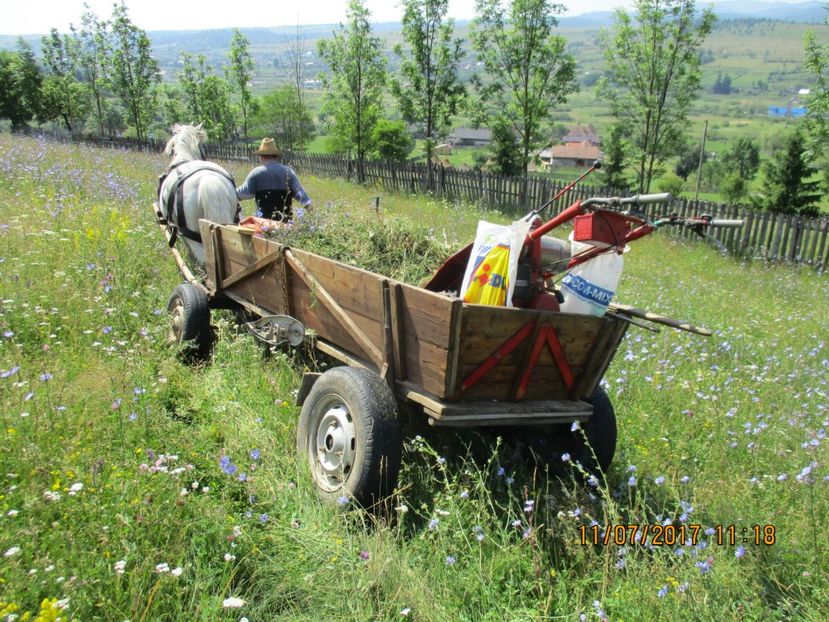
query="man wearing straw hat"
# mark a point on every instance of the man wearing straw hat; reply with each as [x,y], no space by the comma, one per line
[273,185]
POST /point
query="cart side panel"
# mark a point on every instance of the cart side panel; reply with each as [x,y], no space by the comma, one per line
[485,329]
[237,250]
[426,321]
[357,292]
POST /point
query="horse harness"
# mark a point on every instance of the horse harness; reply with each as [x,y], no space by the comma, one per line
[173,202]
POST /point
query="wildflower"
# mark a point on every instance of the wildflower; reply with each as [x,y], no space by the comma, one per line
[405,611]
[659,480]
[139,391]
[120,566]
[464,494]
[365,555]
[12,513]
[51,495]
[433,524]
[509,481]
[162,568]
[663,592]
[12,551]
[575,427]
[632,468]
[479,533]
[243,477]
[107,330]
[593,481]
[45,377]
[632,481]
[133,416]
[233,603]
[529,506]
[116,403]
[402,508]
[254,454]
[565,457]
[343,500]
[229,557]
[441,460]
[450,560]
[527,533]
[263,518]
[683,587]
[741,550]
[684,479]
[227,466]
[706,565]
[176,572]
[500,472]
[75,489]
[8,334]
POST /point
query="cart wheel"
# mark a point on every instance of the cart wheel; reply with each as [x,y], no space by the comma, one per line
[189,316]
[600,431]
[350,434]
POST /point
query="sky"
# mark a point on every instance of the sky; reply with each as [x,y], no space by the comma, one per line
[23,17]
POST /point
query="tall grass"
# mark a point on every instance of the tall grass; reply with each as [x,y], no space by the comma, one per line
[137,487]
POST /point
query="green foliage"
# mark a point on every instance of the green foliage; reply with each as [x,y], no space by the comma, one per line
[505,149]
[671,183]
[207,98]
[722,85]
[654,77]
[63,96]
[428,89]
[734,188]
[21,78]
[281,115]
[787,187]
[528,68]
[354,91]
[742,158]
[615,149]
[239,72]
[392,140]
[135,72]
[689,160]
[92,57]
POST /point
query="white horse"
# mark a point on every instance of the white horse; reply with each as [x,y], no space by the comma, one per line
[193,188]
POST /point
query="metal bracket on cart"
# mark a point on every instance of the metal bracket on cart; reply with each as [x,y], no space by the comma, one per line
[277,330]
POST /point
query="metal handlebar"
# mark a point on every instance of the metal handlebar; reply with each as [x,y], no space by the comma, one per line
[725,223]
[639,199]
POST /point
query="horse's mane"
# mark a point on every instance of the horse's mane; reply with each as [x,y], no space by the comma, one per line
[185,142]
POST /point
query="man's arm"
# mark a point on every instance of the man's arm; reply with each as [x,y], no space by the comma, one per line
[297,189]
[248,189]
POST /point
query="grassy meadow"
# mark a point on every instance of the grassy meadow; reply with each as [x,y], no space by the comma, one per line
[137,487]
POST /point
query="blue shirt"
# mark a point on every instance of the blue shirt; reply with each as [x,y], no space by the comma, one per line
[273,175]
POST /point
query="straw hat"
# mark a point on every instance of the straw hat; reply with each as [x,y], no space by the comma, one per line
[268,147]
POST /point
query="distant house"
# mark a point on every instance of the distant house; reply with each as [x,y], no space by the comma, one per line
[786,111]
[580,134]
[571,155]
[470,137]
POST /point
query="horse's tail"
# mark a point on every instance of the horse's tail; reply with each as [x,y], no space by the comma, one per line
[217,198]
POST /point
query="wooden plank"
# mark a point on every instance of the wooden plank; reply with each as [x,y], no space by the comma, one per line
[347,322]
[426,315]
[251,269]
[209,258]
[822,250]
[398,337]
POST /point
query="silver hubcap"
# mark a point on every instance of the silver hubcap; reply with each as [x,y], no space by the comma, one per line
[335,446]
[176,319]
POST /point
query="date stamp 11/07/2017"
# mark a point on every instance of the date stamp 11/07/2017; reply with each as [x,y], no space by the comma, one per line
[671,535]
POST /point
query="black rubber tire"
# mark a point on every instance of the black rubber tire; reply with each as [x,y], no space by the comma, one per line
[189,316]
[601,433]
[354,409]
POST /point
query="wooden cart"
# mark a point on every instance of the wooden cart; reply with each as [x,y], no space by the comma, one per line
[403,347]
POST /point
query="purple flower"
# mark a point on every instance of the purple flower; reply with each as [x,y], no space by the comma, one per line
[254,454]
[116,403]
[565,457]
[28,396]
[529,506]
[138,391]
[243,477]
[659,480]
[500,472]
[45,377]
[632,481]
[433,524]
[479,533]
[10,372]
[663,592]
[464,494]
[450,560]
[705,566]
[365,555]
[107,330]
[741,550]
[133,416]
[343,500]
[441,460]
[8,334]
[263,518]
[227,466]
[575,427]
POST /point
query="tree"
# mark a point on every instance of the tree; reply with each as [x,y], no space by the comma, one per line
[505,149]
[529,70]
[93,59]
[354,91]
[239,72]
[22,80]
[428,89]
[653,76]
[615,159]
[206,97]
[787,187]
[285,118]
[296,54]
[63,97]
[688,160]
[393,140]
[816,62]
[743,159]
[135,72]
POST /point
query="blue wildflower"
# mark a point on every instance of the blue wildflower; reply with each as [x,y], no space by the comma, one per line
[45,377]
[433,524]
[741,550]
[450,560]
[663,592]
[343,500]
[254,454]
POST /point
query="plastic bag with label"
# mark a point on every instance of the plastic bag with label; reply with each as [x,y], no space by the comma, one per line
[493,263]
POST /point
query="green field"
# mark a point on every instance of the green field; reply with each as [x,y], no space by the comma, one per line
[119,503]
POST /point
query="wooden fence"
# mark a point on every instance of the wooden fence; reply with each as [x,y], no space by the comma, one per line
[764,235]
